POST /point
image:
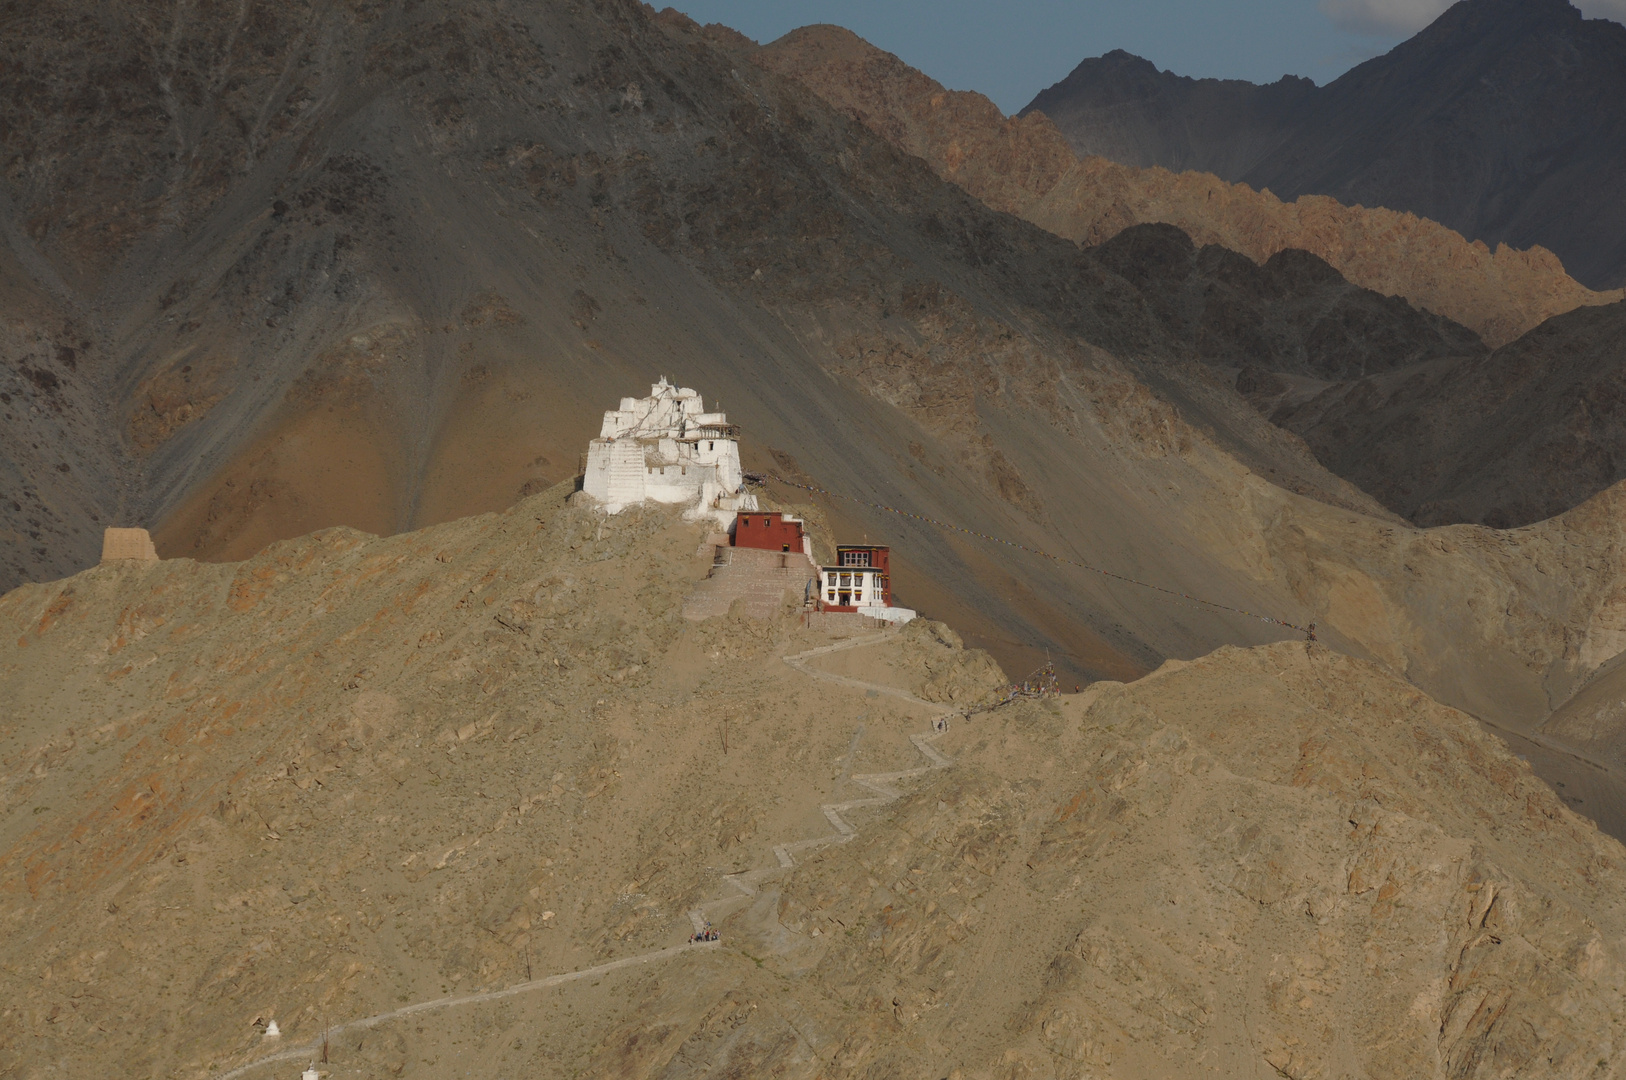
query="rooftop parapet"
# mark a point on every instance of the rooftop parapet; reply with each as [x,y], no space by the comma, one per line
[668,412]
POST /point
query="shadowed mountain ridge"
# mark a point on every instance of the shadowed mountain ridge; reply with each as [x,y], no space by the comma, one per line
[1504,120]
[1505,440]
[1437,433]
[1023,165]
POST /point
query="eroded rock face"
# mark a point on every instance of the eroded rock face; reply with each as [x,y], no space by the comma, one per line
[1024,165]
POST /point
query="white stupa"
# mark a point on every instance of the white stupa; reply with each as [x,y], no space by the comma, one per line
[666,448]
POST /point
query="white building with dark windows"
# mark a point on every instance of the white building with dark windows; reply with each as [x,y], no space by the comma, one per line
[861,581]
[666,448]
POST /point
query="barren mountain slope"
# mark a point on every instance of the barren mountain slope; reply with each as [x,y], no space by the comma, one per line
[280,336]
[1236,313]
[1594,719]
[354,775]
[1506,440]
[574,196]
[1503,120]
[60,467]
[1435,444]
[1024,166]
[379,266]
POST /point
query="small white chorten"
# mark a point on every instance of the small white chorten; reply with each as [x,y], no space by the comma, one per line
[666,448]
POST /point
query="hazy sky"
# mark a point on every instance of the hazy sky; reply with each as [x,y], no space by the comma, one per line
[1011,49]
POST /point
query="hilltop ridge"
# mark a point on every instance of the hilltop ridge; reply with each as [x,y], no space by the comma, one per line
[1503,120]
[1025,165]
[451,764]
[411,758]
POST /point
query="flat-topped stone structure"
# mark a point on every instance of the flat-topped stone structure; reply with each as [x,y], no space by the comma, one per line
[127,545]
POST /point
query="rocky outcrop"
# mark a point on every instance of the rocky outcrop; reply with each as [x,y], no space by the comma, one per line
[1503,120]
[1024,166]
[1533,429]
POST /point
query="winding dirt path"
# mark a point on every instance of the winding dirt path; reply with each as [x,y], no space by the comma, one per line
[880,783]
[310,1051]
[745,884]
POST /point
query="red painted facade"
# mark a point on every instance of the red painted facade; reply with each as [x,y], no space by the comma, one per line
[767,531]
[867,555]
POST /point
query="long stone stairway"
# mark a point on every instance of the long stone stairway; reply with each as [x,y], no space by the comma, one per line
[760,578]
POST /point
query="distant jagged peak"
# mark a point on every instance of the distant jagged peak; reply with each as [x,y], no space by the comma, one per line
[1477,30]
[1024,165]
[1129,76]
[1467,19]
[1478,16]
[1501,119]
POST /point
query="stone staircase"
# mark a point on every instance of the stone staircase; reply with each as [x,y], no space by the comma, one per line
[760,578]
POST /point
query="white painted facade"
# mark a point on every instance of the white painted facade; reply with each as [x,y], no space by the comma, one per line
[853,586]
[860,587]
[899,615]
[666,448]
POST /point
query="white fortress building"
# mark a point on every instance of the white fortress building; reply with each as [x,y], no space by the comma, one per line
[666,448]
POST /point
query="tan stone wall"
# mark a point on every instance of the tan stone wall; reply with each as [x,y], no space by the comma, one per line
[128,544]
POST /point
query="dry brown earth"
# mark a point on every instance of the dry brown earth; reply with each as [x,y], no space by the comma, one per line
[1025,166]
[353,774]
[349,774]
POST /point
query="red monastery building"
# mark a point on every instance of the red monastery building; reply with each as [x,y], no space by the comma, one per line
[861,581]
[771,532]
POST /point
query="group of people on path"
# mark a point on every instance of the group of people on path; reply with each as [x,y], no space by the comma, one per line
[708,934]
